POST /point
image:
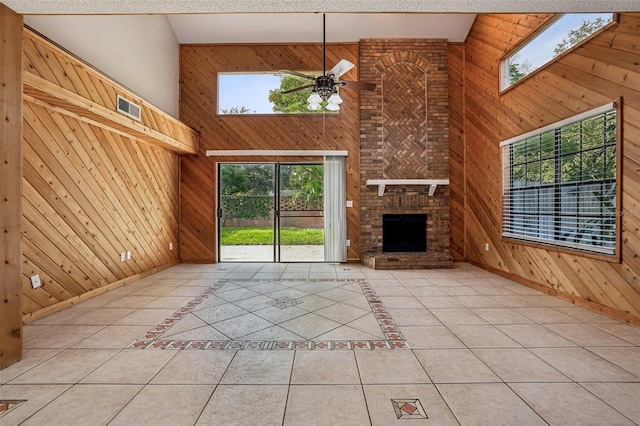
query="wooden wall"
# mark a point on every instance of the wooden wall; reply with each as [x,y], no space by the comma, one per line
[94,185]
[199,65]
[456,102]
[600,71]
[10,186]
[54,76]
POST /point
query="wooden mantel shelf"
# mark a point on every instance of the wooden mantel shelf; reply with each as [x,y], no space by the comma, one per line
[432,183]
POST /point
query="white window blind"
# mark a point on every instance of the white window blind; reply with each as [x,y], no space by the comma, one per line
[559,183]
[335,209]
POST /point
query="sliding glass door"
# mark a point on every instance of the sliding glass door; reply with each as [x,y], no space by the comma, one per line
[271,213]
[300,213]
[246,217]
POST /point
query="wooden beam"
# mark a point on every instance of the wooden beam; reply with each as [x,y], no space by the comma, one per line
[10,186]
[65,100]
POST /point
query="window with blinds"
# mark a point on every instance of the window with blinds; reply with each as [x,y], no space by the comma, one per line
[559,183]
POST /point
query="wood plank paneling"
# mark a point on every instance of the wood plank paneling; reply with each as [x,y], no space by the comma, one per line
[71,103]
[55,76]
[456,66]
[599,71]
[90,192]
[10,186]
[199,67]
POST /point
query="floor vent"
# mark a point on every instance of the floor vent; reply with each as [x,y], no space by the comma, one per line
[128,108]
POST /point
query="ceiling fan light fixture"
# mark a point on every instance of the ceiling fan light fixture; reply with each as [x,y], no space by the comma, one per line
[333,107]
[314,107]
[335,99]
[324,92]
[314,98]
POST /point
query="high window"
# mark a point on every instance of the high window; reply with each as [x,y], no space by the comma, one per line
[559,35]
[560,183]
[260,93]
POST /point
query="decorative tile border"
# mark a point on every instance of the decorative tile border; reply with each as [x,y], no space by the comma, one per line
[393,337]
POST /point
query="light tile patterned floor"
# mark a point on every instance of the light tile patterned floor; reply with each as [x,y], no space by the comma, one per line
[317,343]
[268,314]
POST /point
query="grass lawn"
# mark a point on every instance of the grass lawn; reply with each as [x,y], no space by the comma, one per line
[264,236]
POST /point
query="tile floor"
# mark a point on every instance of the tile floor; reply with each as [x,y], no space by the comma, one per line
[266,344]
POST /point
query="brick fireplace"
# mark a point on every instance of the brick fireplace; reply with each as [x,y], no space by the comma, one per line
[404,130]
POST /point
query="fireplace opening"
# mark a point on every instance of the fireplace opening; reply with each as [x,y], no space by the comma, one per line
[404,233]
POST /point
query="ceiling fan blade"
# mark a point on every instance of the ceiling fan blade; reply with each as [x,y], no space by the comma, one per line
[340,68]
[298,88]
[297,74]
[357,85]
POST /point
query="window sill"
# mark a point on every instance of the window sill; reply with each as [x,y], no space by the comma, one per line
[614,258]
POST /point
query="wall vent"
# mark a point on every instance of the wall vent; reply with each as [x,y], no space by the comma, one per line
[128,108]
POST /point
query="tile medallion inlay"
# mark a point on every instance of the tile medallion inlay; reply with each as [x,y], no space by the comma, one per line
[284,302]
[408,409]
[309,314]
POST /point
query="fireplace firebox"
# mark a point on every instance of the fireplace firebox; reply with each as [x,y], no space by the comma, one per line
[404,233]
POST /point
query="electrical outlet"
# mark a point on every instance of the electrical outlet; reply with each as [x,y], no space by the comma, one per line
[349,203]
[35,281]
[170,246]
[348,243]
[128,255]
[486,246]
[123,256]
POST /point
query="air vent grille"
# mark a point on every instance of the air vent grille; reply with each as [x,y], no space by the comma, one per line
[128,108]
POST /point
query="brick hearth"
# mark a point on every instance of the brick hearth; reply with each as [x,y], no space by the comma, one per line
[404,135]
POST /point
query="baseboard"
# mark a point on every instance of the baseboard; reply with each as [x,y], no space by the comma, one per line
[32,316]
[605,310]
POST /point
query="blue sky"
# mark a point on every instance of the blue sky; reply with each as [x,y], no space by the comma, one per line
[541,51]
[247,90]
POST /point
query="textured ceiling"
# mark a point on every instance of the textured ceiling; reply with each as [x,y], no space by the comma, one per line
[263,6]
[307,27]
[287,21]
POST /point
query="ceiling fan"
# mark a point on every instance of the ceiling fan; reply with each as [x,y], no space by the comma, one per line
[324,88]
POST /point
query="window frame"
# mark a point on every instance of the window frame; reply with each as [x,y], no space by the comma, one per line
[503,64]
[220,114]
[551,245]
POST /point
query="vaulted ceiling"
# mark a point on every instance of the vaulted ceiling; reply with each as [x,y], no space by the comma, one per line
[287,21]
[307,27]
